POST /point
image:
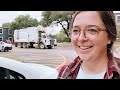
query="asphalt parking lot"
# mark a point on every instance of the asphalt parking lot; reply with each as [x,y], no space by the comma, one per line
[54,58]
[46,57]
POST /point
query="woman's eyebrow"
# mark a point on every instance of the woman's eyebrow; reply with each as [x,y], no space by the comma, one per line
[86,26]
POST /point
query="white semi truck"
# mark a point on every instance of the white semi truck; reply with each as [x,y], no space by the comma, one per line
[33,37]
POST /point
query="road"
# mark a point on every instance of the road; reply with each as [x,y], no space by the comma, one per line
[49,57]
[68,52]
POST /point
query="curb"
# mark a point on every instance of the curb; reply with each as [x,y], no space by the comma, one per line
[65,61]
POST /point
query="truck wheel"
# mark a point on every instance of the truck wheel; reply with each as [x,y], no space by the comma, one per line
[42,46]
[50,47]
[21,45]
[16,44]
[25,45]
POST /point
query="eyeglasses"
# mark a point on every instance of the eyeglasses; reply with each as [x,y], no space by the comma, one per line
[90,32]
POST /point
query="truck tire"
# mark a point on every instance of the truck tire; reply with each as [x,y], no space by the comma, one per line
[50,47]
[42,46]
[25,45]
[21,45]
[16,44]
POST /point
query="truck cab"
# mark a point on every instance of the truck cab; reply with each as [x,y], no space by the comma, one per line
[45,41]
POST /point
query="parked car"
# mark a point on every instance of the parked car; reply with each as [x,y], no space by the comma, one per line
[5,45]
[12,69]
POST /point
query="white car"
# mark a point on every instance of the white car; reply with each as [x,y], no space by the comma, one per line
[5,45]
[12,69]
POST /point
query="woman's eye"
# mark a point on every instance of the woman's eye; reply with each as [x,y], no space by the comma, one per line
[93,30]
[75,30]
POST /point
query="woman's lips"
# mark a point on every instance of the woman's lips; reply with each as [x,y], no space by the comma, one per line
[85,47]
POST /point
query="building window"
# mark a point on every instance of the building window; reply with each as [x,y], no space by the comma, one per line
[1,38]
[10,32]
[1,31]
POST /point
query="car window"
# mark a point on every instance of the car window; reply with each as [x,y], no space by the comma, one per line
[9,74]
[44,36]
[7,41]
[15,75]
[2,73]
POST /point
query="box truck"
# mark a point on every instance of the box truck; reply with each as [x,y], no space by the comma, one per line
[33,37]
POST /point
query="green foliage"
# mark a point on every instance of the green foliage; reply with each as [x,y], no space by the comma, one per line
[52,36]
[60,37]
[46,21]
[6,25]
[66,39]
[23,21]
[57,17]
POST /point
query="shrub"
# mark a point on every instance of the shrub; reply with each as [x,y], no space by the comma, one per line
[66,39]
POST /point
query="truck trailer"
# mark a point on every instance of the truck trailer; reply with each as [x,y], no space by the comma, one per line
[33,37]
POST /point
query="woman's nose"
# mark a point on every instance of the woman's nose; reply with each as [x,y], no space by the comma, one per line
[82,37]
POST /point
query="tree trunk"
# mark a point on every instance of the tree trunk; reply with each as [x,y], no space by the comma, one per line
[66,32]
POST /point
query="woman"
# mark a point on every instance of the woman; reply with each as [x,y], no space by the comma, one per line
[93,34]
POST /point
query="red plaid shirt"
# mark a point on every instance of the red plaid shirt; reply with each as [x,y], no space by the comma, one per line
[70,71]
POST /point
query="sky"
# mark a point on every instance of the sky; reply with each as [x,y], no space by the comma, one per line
[9,16]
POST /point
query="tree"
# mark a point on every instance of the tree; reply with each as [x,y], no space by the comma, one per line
[52,36]
[23,21]
[60,37]
[57,17]
[46,21]
[6,25]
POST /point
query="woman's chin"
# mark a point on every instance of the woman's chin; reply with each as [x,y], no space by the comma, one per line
[84,57]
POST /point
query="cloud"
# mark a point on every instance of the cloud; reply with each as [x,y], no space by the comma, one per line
[1,17]
[9,16]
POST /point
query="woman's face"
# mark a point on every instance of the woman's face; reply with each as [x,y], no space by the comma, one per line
[89,36]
